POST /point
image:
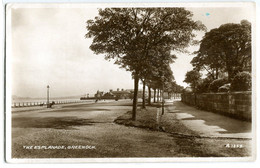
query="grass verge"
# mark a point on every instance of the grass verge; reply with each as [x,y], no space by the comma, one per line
[147,118]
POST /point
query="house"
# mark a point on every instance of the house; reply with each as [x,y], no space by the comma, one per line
[121,94]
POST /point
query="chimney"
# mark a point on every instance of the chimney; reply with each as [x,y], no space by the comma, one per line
[122,89]
[117,89]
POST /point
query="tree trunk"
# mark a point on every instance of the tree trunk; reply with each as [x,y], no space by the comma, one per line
[162,95]
[158,92]
[229,72]
[149,95]
[154,95]
[216,73]
[136,81]
[143,103]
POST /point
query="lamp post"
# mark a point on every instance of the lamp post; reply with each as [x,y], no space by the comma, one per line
[48,103]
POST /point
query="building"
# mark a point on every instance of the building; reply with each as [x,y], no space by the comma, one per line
[121,94]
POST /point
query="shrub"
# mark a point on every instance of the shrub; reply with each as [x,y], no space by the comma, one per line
[203,87]
[216,84]
[187,90]
[224,88]
[241,82]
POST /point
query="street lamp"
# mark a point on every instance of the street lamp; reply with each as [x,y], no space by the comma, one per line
[48,103]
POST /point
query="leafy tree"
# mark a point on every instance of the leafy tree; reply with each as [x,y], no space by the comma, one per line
[225,48]
[217,83]
[241,82]
[126,35]
[224,88]
[160,75]
[193,78]
[178,89]
[203,85]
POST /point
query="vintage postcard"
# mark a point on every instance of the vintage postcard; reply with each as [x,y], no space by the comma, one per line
[130,82]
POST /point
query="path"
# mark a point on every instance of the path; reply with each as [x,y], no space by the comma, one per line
[210,124]
[82,125]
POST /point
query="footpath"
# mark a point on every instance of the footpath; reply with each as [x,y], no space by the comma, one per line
[195,131]
[181,119]
[209,124]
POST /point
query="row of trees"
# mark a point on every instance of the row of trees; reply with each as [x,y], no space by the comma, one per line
[225,54]
[142,41]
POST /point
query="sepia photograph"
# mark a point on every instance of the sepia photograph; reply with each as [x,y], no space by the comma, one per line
[130,82]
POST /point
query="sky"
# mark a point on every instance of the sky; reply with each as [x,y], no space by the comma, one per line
[48,47]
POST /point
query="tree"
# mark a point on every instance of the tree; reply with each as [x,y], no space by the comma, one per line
[126,35]
[225,48]
[160,73]
[193,77]
[241,82]
[217,83]
[203,85]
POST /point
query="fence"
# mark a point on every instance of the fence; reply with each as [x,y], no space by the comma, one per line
[235,104]
[43,103]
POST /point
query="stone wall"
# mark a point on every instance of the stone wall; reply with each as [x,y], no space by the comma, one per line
[235,104]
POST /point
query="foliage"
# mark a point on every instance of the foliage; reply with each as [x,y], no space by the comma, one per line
[227,48]
[224,88]
[140,40]
[217,83]
[128,34]
[193,77]
[173,87]
[203,86]
[241,82]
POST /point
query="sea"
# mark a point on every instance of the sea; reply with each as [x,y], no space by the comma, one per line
[44,100]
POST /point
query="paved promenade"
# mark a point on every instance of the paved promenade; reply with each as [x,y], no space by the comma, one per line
[88,130]
[209,124]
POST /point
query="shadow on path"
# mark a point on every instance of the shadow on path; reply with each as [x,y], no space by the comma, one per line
[67,123]
[209,123]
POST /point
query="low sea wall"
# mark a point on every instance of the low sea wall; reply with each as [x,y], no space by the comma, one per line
[44,103]
[234,104]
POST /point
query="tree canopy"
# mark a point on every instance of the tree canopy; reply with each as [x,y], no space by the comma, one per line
[128,34]
[138,38]
[227,48]
[193,78]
